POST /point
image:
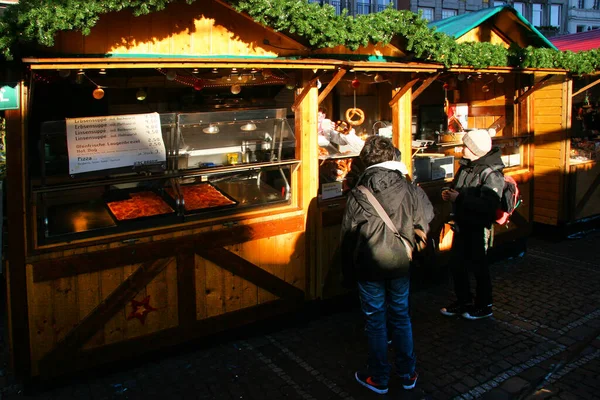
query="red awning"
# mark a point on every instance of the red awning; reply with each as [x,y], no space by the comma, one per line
[578,41]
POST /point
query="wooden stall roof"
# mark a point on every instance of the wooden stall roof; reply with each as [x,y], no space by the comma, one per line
[581,41]
[499,25]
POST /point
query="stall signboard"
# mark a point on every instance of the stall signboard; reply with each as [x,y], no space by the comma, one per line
[9,96]
[98,143]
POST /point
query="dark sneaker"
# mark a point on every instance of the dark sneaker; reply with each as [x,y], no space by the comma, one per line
[409,383]
[453,309]
[368,382]
[478,312]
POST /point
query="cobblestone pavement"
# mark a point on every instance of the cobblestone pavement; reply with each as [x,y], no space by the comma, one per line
[547,301]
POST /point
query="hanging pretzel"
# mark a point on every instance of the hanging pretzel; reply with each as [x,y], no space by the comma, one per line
[353,112]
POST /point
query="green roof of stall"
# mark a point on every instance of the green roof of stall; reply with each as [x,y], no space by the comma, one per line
[459,25]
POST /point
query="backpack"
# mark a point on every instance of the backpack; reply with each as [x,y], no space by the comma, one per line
[510,199]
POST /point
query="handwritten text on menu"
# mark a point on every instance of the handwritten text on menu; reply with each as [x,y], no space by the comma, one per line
[97,143]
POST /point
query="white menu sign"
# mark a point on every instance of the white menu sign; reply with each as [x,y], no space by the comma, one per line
[114,141]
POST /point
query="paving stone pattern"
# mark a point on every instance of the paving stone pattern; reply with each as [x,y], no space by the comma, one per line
[546,301]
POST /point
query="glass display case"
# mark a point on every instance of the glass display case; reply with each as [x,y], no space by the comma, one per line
[217,164]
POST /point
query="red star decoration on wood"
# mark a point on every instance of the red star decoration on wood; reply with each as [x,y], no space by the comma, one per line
[141,309]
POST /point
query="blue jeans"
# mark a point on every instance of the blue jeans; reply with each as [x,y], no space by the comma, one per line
[385,305]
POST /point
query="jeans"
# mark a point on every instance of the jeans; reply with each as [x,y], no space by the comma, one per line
[385,305]
[469,255]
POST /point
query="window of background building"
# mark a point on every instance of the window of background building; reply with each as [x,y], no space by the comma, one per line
[447,13]
[596,4]
[520,7]
[581,28]
[499,3]
[536,14]
[382,4]
[427,13]
[581,4]
[555,14]
[363,7]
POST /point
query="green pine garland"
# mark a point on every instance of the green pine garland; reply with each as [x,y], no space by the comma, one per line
[38,21]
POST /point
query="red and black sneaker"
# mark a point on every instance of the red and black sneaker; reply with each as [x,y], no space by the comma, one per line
[367,381]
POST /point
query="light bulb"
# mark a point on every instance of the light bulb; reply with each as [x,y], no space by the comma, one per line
[102,71]
[98,93]
[64,73]
[319,84]
[461,77]
[236,89]
[378,78]
[485,88]
[290,86]
[171,75]
[195,71]
[141,95]
[500,79]
[80,77]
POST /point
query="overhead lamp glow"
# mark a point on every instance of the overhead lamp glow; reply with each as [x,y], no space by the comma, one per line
[248,127]
[171,75]
[102,71]
[141,95]
[211,129]
[195,71]
[98,93]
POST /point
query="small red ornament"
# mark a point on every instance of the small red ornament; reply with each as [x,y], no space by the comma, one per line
[355,83]
[446,86]
[140,309]
[199,84]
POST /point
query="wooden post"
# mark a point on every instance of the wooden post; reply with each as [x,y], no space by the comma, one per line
[308,174]
[16,282]
[402,121]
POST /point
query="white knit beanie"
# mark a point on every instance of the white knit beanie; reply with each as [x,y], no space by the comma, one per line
[478,141]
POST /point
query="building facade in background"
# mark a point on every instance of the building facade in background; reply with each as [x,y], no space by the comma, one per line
[551,17]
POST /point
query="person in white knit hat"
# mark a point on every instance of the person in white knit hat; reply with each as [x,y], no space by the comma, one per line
[475,195]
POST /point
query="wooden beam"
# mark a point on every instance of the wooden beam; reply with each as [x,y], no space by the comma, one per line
[532,90]
[46,270]
[312,83]
[336,78]
[586,87]
[95,320]
[424,86]
[252,273]
[403,90]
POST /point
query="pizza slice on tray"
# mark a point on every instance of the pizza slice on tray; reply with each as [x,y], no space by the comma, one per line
[141,204]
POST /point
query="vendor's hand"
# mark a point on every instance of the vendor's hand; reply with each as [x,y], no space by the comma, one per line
[449,195]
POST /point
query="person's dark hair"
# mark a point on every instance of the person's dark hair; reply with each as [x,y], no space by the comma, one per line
[377,149]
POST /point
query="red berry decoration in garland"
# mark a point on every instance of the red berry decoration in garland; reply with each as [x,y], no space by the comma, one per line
[199,84]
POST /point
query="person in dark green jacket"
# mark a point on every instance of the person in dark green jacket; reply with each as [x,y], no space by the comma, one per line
[378,261]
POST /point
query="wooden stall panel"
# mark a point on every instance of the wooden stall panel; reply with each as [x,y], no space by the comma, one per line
[550,151]
[586,190]
[201,28]
[267,261]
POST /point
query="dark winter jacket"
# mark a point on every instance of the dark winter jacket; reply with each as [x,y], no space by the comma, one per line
[369,249]
[478,200]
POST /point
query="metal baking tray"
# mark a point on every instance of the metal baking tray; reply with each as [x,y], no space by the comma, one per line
[115,196]
[77,218]
[189,207]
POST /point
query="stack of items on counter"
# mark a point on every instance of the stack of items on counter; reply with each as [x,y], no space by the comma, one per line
[585,149]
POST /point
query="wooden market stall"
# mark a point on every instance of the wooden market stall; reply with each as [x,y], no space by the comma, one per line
[164,176]
[218,102]
[111,261]
[572,197]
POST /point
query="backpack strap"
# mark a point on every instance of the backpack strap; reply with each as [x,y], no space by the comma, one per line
[386,218]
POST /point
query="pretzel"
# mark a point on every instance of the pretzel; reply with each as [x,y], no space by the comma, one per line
[342,127]
[353,112]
